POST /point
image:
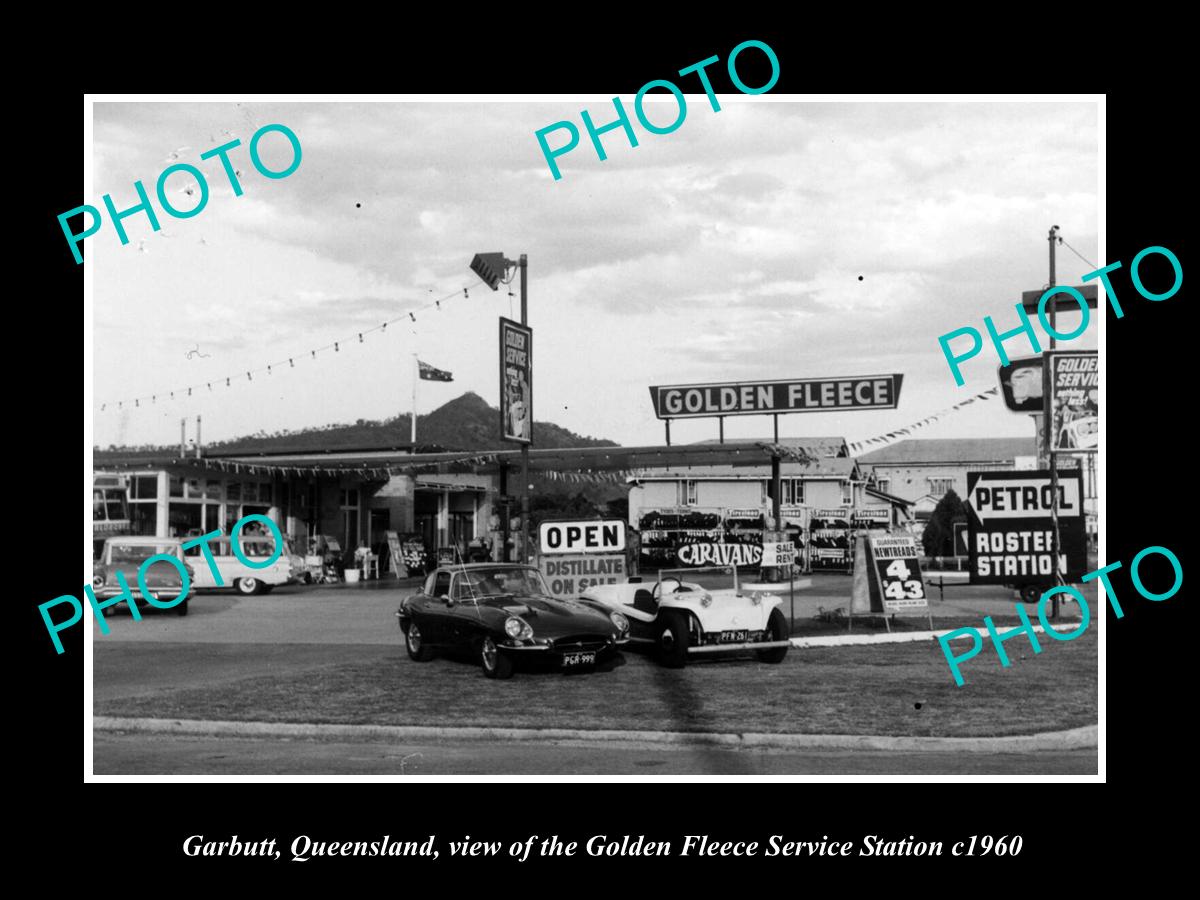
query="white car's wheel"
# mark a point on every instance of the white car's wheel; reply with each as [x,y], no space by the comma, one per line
[673,638]
[777,630]
[247,586]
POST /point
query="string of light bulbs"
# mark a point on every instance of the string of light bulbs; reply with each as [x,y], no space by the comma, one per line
[285,362]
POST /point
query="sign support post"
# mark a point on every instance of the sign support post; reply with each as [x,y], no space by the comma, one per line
[1048,415]
[524,264]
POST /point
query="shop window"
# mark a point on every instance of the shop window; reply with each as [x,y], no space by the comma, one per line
[793,492]
[233,492]
[212,490]
[176,483]
[685,493]
[847,493]
[143,518]
[143,487]
[194,489]
[184,520]
[939,486]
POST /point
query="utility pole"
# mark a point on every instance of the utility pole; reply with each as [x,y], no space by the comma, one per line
[491,269]
[524,264]
[1047,428]
[416,376]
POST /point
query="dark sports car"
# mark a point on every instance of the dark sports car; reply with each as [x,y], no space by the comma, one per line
[501,612]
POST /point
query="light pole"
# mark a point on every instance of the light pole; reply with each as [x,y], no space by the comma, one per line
[491,267]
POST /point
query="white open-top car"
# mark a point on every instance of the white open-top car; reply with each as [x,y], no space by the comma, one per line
[677,618]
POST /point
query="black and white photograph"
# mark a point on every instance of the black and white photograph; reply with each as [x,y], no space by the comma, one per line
[784,502]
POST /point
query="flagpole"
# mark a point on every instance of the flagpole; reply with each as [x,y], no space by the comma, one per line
[416,377]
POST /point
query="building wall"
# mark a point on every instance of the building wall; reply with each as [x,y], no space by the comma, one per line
[914,480]
[745,494]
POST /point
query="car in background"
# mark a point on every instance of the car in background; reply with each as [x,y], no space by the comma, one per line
[126,554]
[235,574]
[503,612]
[677,619]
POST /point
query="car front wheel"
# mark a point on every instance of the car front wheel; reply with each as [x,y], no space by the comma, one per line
[495,663]
[247,586]
[414,643]
[673,640]
[777,630]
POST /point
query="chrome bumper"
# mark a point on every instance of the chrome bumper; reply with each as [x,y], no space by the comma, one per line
[721,648]
[617,643]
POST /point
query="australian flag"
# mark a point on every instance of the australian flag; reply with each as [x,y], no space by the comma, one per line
[429,373]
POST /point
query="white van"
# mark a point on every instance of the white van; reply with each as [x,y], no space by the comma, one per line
[236,574]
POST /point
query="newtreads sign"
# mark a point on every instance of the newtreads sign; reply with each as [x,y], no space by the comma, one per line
[746,398]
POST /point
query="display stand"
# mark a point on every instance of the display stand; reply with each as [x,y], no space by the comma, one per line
[396,555]
[887,577]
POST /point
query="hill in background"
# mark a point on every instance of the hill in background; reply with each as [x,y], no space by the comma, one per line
[465,423]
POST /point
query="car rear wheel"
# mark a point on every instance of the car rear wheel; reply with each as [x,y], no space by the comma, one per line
[414,643]
[673,639]
[495,663]
[247,586]
[777,630]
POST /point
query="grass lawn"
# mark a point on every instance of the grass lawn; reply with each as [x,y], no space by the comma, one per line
[840,690]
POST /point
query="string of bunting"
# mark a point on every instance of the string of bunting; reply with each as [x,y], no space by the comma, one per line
[378,472]
[284,362]
[785,451]
[857,446]
[615,476]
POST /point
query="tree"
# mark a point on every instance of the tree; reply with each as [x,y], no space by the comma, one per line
[938,538]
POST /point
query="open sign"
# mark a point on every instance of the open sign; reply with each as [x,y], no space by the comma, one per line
[590,536]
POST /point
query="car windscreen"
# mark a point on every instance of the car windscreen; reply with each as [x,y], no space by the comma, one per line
[710,578]
[126,553]
[259,548]
[493,582]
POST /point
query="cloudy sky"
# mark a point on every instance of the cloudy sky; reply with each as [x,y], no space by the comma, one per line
[774,239]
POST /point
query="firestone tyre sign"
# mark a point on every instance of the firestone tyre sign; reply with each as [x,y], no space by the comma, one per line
[1010,529]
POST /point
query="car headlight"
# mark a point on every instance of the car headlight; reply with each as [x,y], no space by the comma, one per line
[620,621]
[516,629]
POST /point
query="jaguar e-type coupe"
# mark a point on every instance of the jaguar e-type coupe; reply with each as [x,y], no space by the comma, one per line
[504,612]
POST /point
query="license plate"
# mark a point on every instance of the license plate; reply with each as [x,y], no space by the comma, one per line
[733,637]
[570,660]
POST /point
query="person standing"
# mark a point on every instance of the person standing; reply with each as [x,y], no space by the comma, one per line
[633,551]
